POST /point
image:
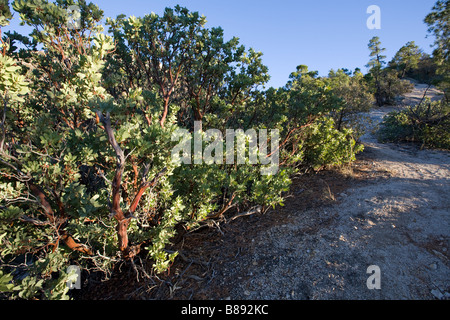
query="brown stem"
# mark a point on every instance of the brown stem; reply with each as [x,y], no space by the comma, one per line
[70,242]
[116,211]
[144,186]
[224,209]
[288,136]
[49,212]
[123,220]
[3,122]
[38,193]
[341,118]
[165,112]
[3,44]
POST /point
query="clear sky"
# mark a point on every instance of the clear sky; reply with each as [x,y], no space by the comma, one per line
[322,34]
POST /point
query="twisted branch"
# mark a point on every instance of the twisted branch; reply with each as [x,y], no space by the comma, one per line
[123,220]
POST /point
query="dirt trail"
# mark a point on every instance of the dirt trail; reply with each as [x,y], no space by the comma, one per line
[399,223]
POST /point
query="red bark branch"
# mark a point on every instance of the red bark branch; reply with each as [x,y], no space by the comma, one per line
[144,186]
[116,211]
[123,220]
[289,135]
[58,222]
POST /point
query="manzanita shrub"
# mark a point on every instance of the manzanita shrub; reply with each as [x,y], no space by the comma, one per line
[88,117]
[426,124]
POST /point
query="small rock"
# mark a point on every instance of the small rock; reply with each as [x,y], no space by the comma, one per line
[227,298]
[433,266]
[246,292]
[437,294]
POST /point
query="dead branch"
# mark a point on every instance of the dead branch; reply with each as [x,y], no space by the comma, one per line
[253,210]
[34,221]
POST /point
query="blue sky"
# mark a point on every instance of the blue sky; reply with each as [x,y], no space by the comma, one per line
[322,34]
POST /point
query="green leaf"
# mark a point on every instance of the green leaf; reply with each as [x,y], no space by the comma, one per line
[5,282]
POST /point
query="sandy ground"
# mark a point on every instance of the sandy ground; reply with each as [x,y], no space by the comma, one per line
[399,223]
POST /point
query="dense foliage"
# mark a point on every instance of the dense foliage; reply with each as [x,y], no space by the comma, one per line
[427,123]
[439,26]
[88,119]
[356,98]
[87,176]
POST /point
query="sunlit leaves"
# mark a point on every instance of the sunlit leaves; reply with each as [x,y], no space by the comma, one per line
[55,141]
